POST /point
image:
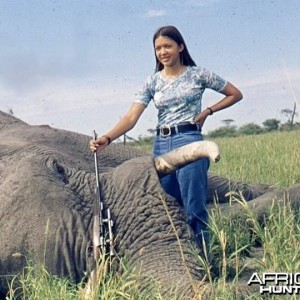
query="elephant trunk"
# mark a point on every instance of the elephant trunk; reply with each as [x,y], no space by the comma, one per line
[184,155]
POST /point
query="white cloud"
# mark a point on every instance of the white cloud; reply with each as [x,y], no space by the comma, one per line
[153,13]
[70,104]
[196,3]
[273,77]
[65,96]
[275,87]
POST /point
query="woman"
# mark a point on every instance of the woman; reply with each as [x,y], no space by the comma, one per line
[176,89]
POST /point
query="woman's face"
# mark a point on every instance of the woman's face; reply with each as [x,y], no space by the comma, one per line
[167,51]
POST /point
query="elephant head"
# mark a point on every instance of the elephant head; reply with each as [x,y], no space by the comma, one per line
[47,197]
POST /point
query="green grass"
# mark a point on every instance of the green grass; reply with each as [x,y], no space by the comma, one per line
[237,256]
[36,283]
[272,158]
[238,247]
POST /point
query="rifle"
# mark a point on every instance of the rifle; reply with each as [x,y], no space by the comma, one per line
[103,239]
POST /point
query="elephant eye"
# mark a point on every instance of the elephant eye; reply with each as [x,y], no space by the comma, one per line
[59,169]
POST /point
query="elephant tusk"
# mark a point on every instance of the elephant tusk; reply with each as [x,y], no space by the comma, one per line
[184,155]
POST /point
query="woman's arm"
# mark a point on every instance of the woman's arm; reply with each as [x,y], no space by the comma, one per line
[126,123]
[232,96]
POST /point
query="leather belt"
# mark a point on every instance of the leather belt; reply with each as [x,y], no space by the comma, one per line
[167,130]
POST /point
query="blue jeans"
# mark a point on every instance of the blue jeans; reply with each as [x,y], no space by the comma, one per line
[189,183]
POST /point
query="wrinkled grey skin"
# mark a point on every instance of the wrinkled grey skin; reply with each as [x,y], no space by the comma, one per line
[47,191]
[47,186]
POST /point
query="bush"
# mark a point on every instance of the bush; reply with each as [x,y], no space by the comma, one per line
[250,128]
[226,131]
[271,124]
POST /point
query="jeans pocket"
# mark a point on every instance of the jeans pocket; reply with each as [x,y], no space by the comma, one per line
[193,136]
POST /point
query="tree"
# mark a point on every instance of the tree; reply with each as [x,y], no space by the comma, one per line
[226,131]
[290,114]
[271,124]
[293,115]
[250,128]
[227,122]
[287,112]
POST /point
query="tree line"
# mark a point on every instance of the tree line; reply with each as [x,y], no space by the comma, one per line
[251,128]
[268,125]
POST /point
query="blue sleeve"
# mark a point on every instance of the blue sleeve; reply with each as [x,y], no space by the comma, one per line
[213,81]
[145,95]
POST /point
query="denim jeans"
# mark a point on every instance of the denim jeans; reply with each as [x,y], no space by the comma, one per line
[189,183]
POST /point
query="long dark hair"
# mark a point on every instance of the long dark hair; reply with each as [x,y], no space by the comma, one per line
[173,33]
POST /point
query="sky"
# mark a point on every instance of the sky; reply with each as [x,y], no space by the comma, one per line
[78,65]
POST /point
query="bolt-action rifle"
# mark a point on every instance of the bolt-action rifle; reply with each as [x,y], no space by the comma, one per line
[103,239]
[102,228]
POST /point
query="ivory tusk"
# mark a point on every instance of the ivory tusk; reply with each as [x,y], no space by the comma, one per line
[184,155]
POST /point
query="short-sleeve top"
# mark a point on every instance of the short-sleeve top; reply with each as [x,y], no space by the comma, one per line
[179,100]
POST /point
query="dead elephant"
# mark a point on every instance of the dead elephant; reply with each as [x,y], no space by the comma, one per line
[47,195]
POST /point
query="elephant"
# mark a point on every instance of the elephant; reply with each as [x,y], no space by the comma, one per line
[47,197]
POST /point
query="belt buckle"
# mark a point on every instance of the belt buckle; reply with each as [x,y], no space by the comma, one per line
[162,130]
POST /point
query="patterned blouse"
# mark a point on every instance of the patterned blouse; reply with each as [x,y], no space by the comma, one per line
[179,100]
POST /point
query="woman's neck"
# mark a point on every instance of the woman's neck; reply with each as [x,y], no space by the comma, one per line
[173,71]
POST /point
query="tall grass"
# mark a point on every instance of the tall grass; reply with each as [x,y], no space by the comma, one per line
[235,252]
[272,158]
[238,247]
[36,283]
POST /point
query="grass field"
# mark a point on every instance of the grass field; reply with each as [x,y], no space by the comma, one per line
[272,158]
[269,158]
